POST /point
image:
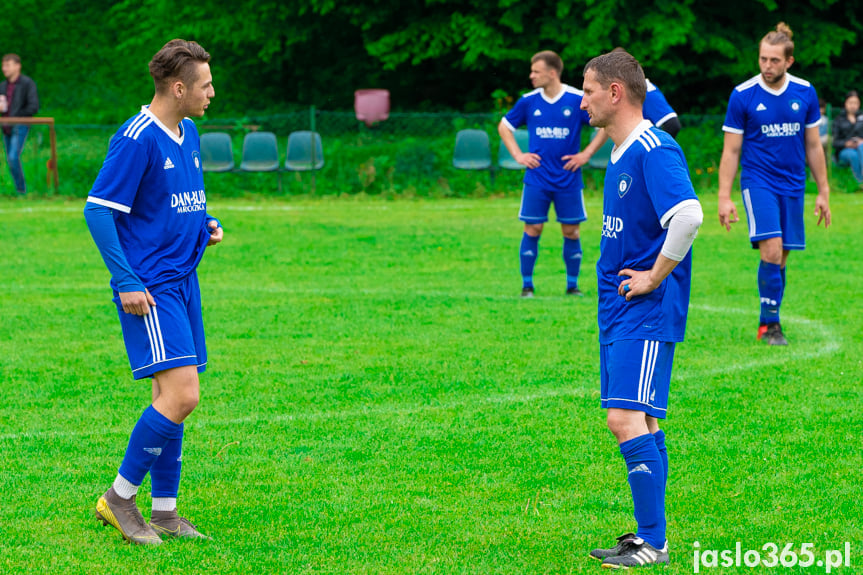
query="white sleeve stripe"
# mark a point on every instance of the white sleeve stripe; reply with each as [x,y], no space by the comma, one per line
[508,125]
[135,124]
[649,140]
[666,217]
[110,204]
[731,130]
[812,125]
[665,118]
[141,128]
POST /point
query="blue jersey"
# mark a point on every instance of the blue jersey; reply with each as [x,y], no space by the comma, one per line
[773,124]
[555,131]
[152,179]
[646,182]
[656,108]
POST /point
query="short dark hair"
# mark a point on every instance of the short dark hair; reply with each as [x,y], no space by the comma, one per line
[177,60]
[620,66]
[852,94]
[551,59]
[14,57]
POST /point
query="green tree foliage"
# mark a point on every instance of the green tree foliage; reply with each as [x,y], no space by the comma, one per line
[90,57]
[70,47]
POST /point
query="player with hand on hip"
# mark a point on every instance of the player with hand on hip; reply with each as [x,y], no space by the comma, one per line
[650,217]
[553,161]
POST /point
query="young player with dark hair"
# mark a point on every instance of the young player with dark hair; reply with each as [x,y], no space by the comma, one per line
[147,215]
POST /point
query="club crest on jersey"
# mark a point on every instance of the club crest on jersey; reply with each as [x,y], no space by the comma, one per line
[795,105]
[196,159]
[624,182]
[567,111]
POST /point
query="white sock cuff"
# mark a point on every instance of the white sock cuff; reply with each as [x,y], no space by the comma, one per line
[164,503]
[124,488]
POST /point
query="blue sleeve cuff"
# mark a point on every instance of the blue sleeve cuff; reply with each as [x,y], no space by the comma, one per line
[210,219]
[100,220]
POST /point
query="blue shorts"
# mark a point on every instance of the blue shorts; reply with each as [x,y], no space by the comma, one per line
[171,335]
[636,374]
[772,215]
[569,205]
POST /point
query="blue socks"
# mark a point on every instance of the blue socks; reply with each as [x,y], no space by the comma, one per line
[647,482]
[782,271]
[147,442]
[528,252]
[165,472]
[770,288]
[572,259]
[659,439]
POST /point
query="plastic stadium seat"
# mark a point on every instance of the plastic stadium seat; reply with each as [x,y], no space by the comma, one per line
[217,153]
[372,106]
[472,150]
[260,152]
[599,161]
[305,152]
[505,159]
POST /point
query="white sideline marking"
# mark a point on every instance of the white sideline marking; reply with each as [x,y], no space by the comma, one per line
[360,206]
[503,398]
[219,207]
[831,344]
[445,205]
[43,209]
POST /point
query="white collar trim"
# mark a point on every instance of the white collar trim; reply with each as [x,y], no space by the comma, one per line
[171,133]
[618,151]
[770,90]
[563,89]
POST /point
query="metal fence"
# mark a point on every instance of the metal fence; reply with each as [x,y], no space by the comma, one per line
[336,124]
[409,152]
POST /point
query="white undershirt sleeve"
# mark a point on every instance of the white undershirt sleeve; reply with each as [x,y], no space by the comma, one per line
[682,221]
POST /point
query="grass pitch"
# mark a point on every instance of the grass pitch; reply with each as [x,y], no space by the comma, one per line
[380,400]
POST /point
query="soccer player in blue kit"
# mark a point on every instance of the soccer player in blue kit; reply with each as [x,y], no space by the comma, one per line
[650,218]
[147,215]
[771,128]
[659,111]
[554,120]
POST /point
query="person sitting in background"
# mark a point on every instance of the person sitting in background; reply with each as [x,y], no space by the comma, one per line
[848,135]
